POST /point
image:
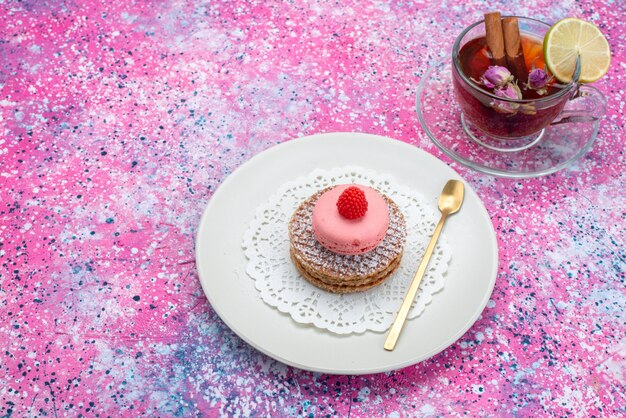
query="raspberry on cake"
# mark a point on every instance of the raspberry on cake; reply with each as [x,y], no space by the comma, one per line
[352,203]
[347,238]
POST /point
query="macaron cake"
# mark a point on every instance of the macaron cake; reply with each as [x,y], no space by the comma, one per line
[347,238]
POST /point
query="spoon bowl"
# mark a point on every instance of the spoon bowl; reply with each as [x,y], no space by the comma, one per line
[451,197]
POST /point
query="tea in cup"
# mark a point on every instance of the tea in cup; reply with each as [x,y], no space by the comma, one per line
[507,106]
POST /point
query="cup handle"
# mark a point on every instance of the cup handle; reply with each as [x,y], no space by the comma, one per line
[587,104]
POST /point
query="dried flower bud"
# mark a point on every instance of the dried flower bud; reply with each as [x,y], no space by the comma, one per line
[496,76]
[538,79]
[510,91]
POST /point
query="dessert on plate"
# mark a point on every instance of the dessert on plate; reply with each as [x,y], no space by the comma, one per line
[347,238]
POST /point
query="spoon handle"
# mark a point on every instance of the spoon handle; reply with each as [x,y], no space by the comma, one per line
[396,328]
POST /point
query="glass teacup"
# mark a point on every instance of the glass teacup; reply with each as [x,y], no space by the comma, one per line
[508,124]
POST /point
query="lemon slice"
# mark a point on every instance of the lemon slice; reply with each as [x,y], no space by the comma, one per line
[569,38]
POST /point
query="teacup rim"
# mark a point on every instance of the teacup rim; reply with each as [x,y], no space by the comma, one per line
[455,52]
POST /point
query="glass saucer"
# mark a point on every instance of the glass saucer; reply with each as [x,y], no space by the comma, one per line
[559,146]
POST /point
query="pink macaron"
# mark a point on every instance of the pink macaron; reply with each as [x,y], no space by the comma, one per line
[350,236]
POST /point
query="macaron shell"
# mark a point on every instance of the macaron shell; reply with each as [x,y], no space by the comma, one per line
[350,236]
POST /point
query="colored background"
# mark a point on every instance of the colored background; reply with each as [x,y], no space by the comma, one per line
[119,120]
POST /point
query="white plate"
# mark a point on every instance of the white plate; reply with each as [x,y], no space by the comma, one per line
[221,262]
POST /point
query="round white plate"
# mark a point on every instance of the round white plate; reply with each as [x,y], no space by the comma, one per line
[221,262]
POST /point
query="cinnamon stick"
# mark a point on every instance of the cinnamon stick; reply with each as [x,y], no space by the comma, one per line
[495,38]
[513,48]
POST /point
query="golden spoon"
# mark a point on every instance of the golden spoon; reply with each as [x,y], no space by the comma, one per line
[450,202]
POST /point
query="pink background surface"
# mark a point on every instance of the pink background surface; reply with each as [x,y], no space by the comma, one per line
[117,123]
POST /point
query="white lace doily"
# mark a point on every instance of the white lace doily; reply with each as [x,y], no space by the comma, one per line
[266,244]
